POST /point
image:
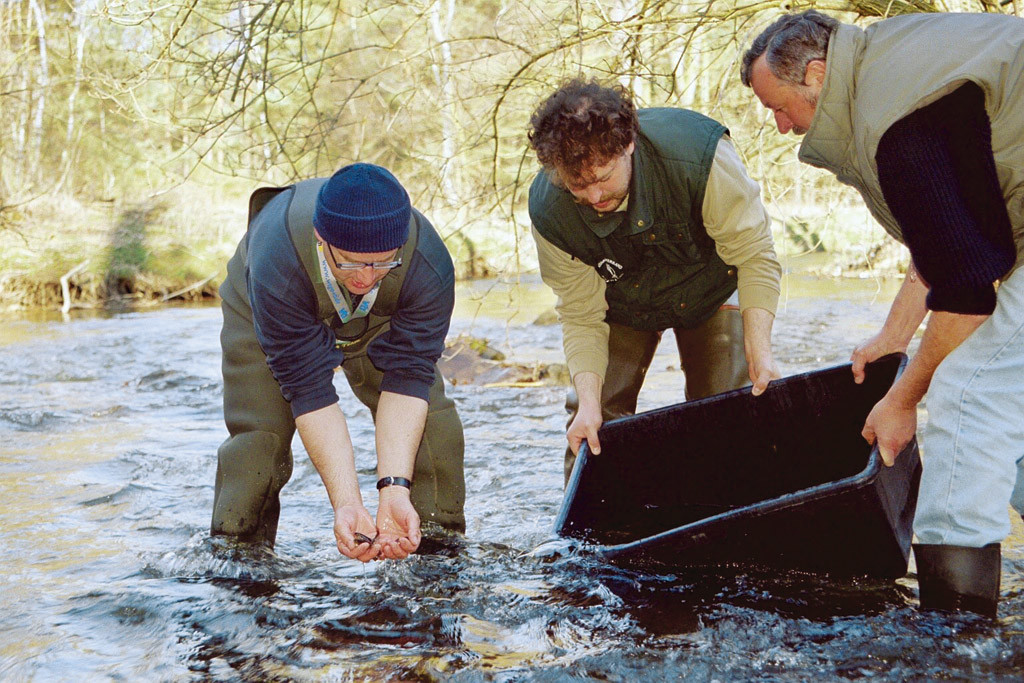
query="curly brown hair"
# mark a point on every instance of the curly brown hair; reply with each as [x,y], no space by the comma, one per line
[582,124]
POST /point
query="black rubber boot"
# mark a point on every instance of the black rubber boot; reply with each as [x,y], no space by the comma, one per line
[956,578]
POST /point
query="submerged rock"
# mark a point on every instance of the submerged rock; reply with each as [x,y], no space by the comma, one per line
[471,360]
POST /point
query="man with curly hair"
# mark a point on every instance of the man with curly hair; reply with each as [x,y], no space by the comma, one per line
[646,220]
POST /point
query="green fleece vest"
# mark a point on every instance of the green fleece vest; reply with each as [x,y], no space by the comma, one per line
[876,76]
[671,275]
[355,335]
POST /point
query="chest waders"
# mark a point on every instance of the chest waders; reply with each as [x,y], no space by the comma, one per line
[255,461]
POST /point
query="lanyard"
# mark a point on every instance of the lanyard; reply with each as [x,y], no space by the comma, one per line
[337,298]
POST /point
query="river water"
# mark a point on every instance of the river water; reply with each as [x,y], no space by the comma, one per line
[109,426]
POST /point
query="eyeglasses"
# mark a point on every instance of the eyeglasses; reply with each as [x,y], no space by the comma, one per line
[358,265]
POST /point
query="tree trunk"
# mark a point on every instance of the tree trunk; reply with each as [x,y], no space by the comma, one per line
[441,15]
[43,85]
[66,156]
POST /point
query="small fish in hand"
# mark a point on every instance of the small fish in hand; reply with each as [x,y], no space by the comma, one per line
[363,538]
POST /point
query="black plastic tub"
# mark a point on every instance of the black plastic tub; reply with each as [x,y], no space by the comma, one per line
[780,480]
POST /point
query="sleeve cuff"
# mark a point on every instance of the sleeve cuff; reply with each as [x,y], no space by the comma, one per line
[759,296]
[307,404]
[587,363]
[967,302]
[398,383]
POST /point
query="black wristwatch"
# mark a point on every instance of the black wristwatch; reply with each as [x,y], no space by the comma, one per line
[393,481]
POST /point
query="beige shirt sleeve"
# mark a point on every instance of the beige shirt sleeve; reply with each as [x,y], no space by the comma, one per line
[737,221]
[581,307]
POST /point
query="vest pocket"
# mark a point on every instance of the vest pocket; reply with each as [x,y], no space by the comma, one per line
[669,243]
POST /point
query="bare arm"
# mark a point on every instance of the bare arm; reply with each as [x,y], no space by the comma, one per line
[324,433]
[757,345]
[400,423]
[588,418]
[905,316]
[893,420]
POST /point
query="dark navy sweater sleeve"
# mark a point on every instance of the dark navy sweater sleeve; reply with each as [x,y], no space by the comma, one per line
[408,351]
[938,177]
[300,349]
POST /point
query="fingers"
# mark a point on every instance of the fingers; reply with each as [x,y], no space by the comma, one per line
[590,436]
[353,528]
[394,548]
[346,541]
[887,454]
[362,551]
[762,370]
[761,382]
[868,433]
[398,528]
[345,538]
[585,426]
[858,367]
[395,536]
[398,548]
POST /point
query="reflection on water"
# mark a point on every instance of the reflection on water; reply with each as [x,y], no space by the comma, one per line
[109,427]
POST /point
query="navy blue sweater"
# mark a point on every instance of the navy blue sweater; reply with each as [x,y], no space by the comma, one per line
[938,177]
[300,349]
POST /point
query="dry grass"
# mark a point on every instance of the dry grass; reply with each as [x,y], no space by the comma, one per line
[134,252]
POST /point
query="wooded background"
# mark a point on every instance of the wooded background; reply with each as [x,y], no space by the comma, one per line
[126,103]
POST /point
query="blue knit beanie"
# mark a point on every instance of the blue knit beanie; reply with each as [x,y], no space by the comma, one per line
[363,209]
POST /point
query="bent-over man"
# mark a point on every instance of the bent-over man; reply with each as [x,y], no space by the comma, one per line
[924,116]
[339,272]
[647,220]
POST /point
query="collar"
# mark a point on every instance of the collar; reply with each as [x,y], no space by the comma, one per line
[828,142]
[345,303]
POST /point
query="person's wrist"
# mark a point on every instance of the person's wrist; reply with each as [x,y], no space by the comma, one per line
[895,339]
[355,508]
[394,493]
[901,398]
[350,501]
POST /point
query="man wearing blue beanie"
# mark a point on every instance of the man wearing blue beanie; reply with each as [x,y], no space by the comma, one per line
[339,272]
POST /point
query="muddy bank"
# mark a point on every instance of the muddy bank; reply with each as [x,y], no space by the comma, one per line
[92,290]
[473,361]
[88,289]
[64,254]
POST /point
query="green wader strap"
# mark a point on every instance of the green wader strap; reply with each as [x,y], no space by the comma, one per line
[355,335]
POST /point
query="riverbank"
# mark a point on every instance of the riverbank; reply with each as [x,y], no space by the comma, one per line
[58,253]
[63,254]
